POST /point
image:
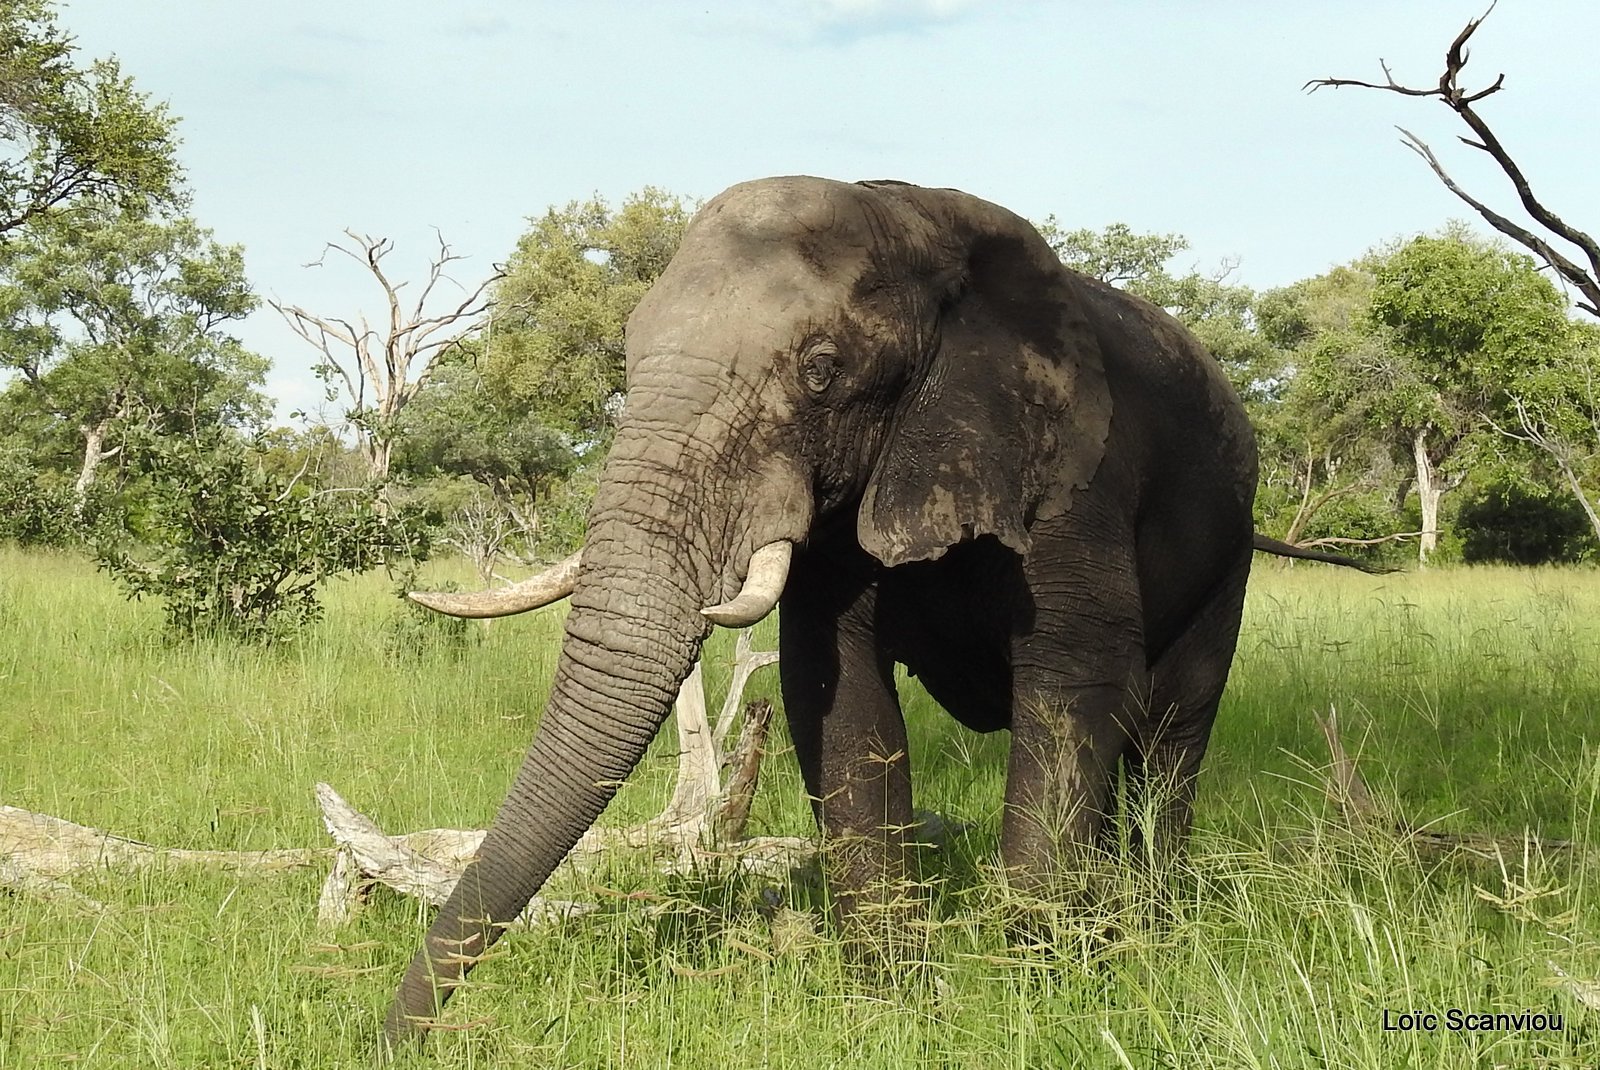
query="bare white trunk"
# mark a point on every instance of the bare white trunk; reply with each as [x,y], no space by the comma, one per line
[378,453]
[1429,490]
[94,451]
[1578,493]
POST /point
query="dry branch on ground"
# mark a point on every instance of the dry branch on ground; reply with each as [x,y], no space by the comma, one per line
[1347,791]
[37,852]
[702,825]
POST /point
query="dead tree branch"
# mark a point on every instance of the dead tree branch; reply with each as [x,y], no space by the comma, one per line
[1461,101]
[702,823]
[1348,793]
[396,363]
[38,852]
[1334,540]
[1536,432]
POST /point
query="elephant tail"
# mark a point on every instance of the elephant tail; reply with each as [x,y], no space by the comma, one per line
[1283,549]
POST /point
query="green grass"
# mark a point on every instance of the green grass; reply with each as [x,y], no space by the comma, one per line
[1471,697]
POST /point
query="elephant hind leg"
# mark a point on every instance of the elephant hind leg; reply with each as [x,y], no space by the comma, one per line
[1061,782]
[1186,684]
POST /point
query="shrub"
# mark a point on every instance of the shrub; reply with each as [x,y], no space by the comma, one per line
[1520,523]
[232,548]
[38,506]
[413,632]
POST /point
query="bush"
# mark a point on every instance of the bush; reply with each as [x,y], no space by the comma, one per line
[413,632]
[232,548]
[38,506]
[1520,523]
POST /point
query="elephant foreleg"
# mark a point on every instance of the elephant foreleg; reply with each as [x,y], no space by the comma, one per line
[850,740]
[1077,691]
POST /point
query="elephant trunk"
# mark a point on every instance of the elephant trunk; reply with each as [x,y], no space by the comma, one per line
[655,557]
[632,638]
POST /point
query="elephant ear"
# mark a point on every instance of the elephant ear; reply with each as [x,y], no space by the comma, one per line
[1012,413]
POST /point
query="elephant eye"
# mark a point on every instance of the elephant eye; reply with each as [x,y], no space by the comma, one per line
[818,367]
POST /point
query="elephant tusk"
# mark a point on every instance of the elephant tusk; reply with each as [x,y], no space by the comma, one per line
[551,585]
[763,584]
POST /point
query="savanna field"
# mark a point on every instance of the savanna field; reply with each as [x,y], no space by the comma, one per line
[1472,698]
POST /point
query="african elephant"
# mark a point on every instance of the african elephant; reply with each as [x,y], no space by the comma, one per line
[892,410]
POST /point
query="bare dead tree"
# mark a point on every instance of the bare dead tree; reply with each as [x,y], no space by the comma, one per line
[487,529]
[381,372]
[1586,280]
[1537,428]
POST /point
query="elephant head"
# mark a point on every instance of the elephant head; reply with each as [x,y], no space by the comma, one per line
[913,363]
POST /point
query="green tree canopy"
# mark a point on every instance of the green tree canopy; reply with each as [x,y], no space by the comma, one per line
[1117,254]
[1413,348]
[555,350]
[460,427]
[113,320]
[71,133]
[1464,315]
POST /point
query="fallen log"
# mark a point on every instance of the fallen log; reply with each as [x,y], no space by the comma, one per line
[701,826]
[52,848]
[38,852]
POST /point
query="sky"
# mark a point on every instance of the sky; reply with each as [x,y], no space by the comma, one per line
[401,118]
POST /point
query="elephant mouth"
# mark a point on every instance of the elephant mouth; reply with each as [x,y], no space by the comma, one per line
[765,577]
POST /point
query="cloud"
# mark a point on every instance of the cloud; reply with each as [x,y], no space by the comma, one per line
[480,25]
[845,22]
[301,76]
[842,21]
[343,37]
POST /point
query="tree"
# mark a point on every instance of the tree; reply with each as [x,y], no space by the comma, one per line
[1464,318]
[1555,409]
[1319,450]
[115,319]
[1117,255]
[38,509]
[381,373]
[313,456]
[526,409]
[463,430]
[556,351]
[1400,360]
[74,136]
[1218,312]
[1586,280]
